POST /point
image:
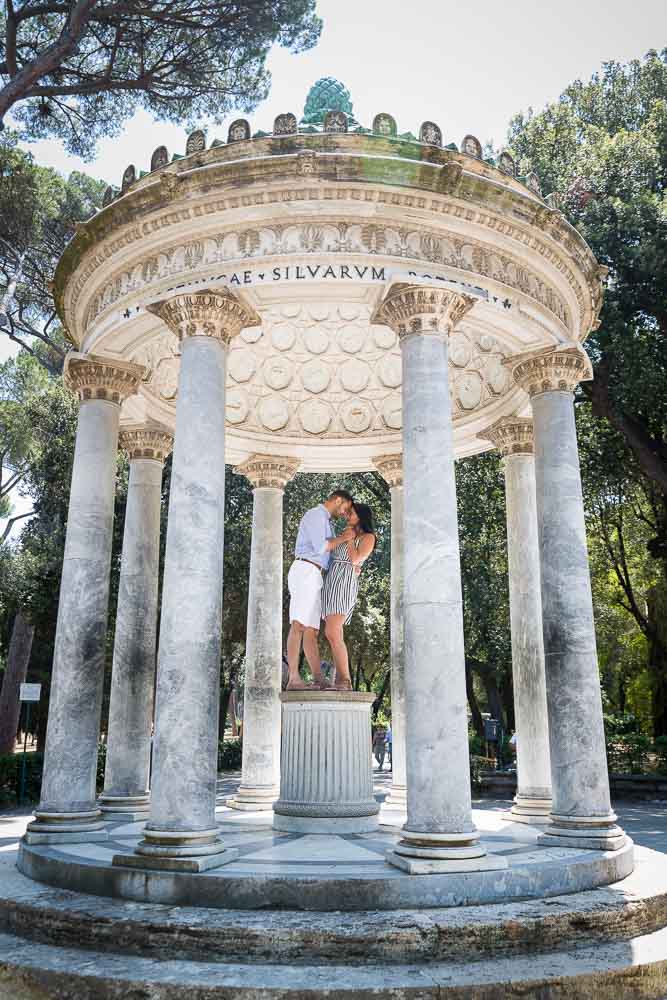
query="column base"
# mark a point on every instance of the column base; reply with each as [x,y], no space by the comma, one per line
[325,824]
[66,827]
[178,851]
[125,807]
[420,853]
[532,811]
[595,833]
[249,799]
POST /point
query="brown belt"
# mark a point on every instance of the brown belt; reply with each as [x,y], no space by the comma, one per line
[310,561]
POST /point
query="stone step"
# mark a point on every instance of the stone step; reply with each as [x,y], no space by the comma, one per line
[626,970]
[634,907]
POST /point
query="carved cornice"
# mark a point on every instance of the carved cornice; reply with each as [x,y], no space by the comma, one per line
[421,309]
[390,468]
[511,436]
[556,369]
[146,441]
[268,471]
[206,314]
[93,377]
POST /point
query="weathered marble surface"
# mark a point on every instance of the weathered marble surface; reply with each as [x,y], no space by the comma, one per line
[260,784]
[326,778]
[188,678]
[438,780]
[70,760]
[397,652]
[578,761]
[533,798]
[133,671]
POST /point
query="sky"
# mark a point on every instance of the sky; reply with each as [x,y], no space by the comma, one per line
[468,68]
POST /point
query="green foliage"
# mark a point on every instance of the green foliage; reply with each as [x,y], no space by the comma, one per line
[182,61]
[230,753]
[10,777]
[38,212]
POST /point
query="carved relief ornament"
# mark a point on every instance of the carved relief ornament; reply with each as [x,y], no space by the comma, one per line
[511,436]
[390,468]
[268,471]
[93,377]
[206,314]
[556,369]
[146,441]
[411,309]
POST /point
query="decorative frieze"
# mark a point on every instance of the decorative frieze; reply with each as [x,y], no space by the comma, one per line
[268,471]
[206,314]
[511,436]
[390,468]
[146,441]
[409,309]
[556,369]
[93,377]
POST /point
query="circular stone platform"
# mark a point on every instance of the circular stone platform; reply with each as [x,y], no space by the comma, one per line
[326,872]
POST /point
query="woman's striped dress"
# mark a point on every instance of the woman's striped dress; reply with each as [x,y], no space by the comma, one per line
[341,584]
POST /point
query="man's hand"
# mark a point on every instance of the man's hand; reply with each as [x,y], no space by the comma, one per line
[346,535]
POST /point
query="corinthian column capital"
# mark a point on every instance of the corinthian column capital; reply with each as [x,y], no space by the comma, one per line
[390,468]
[511,436]
[422,309]
[206,314]
[268,471]
[555,369]
[146,441]
[93,377]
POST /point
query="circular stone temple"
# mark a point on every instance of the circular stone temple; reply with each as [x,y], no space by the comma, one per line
[326,297]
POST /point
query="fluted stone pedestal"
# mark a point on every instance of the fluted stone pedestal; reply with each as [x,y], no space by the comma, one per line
[326,778]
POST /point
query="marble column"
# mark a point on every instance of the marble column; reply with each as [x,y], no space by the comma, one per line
[260,779]
[390,468]
[513,436]
[181,833]
[439,834]
[68,809]
[582,814]
[127,771]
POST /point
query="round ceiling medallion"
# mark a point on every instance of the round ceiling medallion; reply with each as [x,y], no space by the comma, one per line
[236,406]
[391,371]
[469,390]
[315,376]
[251,334]
[318,311]
[384,337]
[496,374]
[315,416]
[273,412]
[241,365]
[356,416]
[354,375]
[316,340]
[351,339]
[278,372]
[392,413]
[283,337]
[291,310]
[460,350]
[347,311]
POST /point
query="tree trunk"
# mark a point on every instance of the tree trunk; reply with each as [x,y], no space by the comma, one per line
[477,720]
[657,616]
[15,674]
[225,695]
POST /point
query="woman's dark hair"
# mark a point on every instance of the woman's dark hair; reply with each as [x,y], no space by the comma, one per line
[366,519]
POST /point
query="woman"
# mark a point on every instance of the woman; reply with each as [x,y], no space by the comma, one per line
[341,584]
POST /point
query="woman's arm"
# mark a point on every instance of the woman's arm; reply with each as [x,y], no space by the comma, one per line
[359,553]
[346,535]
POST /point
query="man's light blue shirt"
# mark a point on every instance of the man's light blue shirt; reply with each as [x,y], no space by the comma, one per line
[314,532]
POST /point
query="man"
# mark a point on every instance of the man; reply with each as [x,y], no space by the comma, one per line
[314,542]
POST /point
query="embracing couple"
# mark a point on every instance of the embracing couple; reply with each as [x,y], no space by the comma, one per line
[323,583]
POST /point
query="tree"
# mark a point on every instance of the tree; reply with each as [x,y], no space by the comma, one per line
[38,213]
[602,148]
[76,71]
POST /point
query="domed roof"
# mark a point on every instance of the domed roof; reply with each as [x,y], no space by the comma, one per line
[327,94]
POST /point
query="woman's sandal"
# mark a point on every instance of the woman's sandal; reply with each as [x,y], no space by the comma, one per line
[343,686]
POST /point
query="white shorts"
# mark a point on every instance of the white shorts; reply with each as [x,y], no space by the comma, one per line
[305,588]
